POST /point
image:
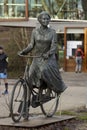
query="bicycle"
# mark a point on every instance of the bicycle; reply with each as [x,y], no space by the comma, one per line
[23,96]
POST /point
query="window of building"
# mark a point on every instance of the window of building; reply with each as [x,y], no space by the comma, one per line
[36,6]
[12,9]
[60,9]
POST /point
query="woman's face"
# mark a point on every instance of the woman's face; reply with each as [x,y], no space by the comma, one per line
[45,20]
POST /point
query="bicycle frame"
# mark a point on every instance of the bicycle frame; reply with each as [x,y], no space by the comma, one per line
[31,92]
[28,95]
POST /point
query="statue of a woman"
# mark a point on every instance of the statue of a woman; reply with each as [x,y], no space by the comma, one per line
[44,69]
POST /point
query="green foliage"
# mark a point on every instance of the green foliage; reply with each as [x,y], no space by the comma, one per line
[79,114]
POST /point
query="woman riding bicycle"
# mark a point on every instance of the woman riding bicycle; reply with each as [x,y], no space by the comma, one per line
[44,69]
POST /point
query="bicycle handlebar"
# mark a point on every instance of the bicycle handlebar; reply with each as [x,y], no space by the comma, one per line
[29,56]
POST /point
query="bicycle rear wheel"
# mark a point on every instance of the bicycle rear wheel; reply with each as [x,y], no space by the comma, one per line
[49,103]
[18,100]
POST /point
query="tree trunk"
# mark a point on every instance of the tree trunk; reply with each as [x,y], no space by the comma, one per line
[6,7]
[45,6]
[84,5]
[13,7]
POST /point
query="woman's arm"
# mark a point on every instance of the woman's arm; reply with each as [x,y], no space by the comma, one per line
[53,48]
[30,46]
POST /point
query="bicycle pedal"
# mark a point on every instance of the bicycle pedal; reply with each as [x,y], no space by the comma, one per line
[35,102]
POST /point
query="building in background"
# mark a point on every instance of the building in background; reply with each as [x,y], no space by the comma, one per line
[19,9]
[17,17]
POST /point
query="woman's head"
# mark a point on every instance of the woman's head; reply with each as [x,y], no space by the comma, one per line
[44,18]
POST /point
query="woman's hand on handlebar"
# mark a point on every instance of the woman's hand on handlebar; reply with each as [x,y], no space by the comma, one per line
[46,55]
[21,53]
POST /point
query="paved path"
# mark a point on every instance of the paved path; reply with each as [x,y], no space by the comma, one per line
[75,95]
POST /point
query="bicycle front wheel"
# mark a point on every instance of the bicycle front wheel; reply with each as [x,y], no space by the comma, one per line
[49,101]
[17,100]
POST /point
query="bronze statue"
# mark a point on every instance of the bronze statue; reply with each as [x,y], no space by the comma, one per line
[44,69]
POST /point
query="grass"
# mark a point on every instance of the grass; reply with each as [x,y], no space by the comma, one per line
[81,114]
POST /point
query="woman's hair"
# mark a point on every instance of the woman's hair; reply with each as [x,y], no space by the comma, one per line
[43,13]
